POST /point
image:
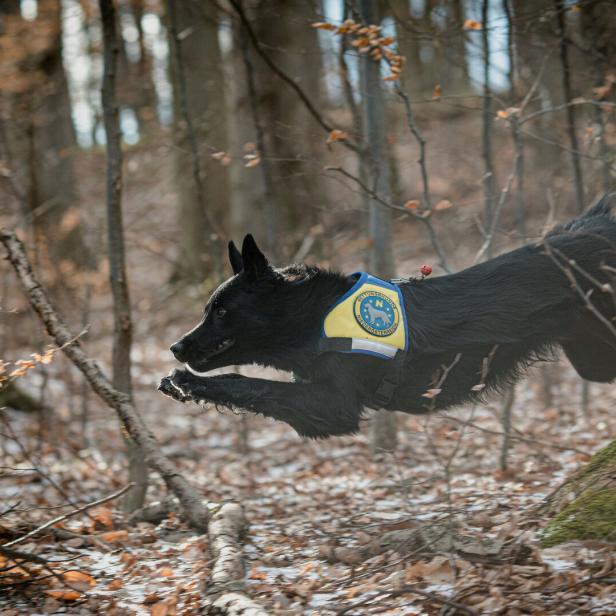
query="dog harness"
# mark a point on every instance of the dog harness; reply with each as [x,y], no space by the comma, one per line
[370,319]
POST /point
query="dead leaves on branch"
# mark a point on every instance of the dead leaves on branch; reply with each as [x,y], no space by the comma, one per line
[251,156]
[472,24]
[418,209]
[223,157]
[368,40]
[23,366]
[337,135]
[509,113]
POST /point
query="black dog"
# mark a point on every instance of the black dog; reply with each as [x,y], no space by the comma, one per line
[467,333]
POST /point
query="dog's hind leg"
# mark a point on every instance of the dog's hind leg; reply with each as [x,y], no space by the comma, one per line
[315,410]
[593,359]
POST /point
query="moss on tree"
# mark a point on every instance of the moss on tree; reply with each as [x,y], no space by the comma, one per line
[592,512]
[590,516]
[603,459]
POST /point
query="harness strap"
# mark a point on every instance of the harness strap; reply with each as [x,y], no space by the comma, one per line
[390,381]
[335,344]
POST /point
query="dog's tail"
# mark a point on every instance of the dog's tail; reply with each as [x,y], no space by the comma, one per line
[598,214]
[603,207]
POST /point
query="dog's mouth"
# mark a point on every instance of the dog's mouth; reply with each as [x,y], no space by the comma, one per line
[201,364]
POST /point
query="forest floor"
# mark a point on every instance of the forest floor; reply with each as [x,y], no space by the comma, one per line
[315,509]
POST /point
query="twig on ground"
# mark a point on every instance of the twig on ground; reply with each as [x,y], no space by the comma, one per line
[24,452]
[411,589]
[70,514]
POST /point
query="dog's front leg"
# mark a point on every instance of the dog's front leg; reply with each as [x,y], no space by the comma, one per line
[312,409]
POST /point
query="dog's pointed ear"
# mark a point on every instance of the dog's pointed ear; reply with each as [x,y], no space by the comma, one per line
[235,258]
[253,259]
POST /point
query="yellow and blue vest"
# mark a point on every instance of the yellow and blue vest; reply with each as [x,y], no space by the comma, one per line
[368,319]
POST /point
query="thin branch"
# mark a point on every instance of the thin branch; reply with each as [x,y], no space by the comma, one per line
[559,260]
[70,514]
[122,323]
[518,436]
[573,103]
[28,457]
[566,75]
[486,131]
[410,120]
[266,172]
[506,420]
[424,219]
[194,510]
[190,129]
[325,124]
[491,231]
[346,85]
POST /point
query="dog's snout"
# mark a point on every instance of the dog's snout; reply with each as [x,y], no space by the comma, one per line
[178,349]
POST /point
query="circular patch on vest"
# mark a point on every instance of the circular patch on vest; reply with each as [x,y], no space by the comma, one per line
[376,313]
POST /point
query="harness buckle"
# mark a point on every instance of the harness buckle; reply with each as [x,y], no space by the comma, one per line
[386,389]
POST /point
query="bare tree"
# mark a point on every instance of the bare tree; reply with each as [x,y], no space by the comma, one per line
[38,143]
[489,180]
[200,131]
[250,198]
[122,329]
[282,65]
[377,163]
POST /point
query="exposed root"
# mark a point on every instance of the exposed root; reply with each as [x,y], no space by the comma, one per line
[155,512]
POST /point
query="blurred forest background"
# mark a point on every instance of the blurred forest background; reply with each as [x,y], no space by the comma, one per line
[364,134]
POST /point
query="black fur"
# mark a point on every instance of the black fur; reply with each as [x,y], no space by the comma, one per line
[470,332]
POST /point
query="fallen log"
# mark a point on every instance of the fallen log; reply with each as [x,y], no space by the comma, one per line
[228,579]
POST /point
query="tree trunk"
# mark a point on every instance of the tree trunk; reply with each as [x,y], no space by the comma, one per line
[249,194]
[135,86]
[489,181]
[534,40]
[381,258]
[39,142]
[200,130]
[415,81]
[292,137]
[122,325]
[584,507]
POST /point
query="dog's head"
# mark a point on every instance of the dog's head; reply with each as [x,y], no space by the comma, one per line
[241,318]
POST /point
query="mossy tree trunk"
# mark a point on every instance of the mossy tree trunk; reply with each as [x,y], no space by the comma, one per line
[584,507]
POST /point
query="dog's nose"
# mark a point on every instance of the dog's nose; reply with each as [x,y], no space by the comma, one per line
[177,348]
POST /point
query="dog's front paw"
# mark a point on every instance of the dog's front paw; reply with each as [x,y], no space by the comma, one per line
[181,378]
[169,388]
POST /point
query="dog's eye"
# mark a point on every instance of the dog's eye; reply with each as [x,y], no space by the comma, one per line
[220,312]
